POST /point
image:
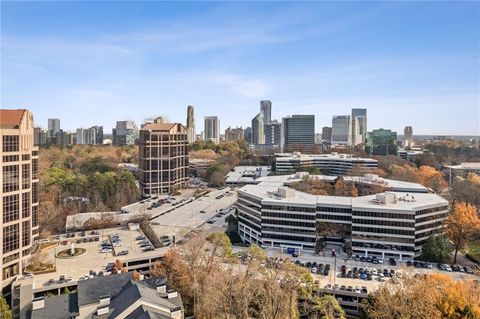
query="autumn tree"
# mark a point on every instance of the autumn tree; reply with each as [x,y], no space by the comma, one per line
[428,176]
[428,296]
[461,225]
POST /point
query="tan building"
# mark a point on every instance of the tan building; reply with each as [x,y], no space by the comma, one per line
[19,193]
[233,134]
[163,158]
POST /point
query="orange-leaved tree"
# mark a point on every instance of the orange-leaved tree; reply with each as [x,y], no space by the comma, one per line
[461,224]
[430,177]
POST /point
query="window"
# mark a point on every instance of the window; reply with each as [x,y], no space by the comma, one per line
[10,271]
[25,205]
[10,178]
[10,238]
[35,168]
[26,233]
[10,158]
[25,157]
[10,143]
[10,258]
[34,216]
[10,208]
[34,192]
[25,176]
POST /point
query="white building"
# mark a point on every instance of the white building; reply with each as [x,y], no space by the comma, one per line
[330,164]
[385,225]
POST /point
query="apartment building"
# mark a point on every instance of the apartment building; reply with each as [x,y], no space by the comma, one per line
[329,164]
[19,193]
[389,224]
[163,158]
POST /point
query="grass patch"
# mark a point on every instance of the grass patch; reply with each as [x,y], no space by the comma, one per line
[68,252]
[474,249]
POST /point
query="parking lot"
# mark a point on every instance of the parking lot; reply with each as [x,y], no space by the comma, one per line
[363,272]
[93,261]
[194,214]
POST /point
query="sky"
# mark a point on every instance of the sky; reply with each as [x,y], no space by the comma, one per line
[93,63]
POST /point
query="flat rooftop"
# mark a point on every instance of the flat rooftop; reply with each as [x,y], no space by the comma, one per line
[403,201]
[246,174]
[331,156]
[93,259]
[367,179]
[467,165]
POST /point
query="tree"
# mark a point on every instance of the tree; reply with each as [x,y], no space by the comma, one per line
[430,177]
[461,225]
[5,312]
[429,296]
[325,307]
[436,249]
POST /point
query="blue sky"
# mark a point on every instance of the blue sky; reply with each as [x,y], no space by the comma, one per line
[87,63]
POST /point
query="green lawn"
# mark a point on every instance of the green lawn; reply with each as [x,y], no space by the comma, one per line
[474,249]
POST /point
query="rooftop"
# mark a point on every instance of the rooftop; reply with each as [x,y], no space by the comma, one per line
[246,174]
[467,165]
[368,179]
[11,117]
[403,201]
[331,156]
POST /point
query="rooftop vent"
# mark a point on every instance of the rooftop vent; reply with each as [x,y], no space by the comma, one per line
[103,310]
[162,288]
[285,192]
[38,303]
[384,199]
[407,198]
[172,293]
[104,300]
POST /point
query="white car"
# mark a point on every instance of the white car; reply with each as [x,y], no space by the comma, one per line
[380,260]
[374,272]
[448,268]
[314,270]
[107,250]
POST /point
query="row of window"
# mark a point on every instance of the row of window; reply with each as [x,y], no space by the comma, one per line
[334,209]
[26,238]
[243,219]
[287,215]
[250,199]
[10,178]
[290,208]
[11,208]
[11,143]
[431,210]
[10,258]
[383,231]
[10,158]
[433,217]
[288,230]
[382,223]
[288,223]
[334,217]
[11,236]
[289,237]
[383,215]
[430,225]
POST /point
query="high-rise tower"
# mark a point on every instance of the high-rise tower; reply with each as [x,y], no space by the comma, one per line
[190,124]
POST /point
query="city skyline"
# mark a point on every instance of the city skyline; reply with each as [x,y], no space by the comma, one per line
[131,62]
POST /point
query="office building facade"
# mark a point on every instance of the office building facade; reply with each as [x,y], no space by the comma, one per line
[163,158]
[258,129]
[381,142]
[328,164]
[327,134]
[273,132]
[341,130]
[234,134]
[40,136]
[19,193]
[266,109]
[190,124]
[212,129]
[53,127]
[298,133]
[408,136]
[125,133]
[359,126]
[382,225]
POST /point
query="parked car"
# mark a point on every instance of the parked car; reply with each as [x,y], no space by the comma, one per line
[122,253]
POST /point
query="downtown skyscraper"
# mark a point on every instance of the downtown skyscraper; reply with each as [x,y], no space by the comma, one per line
[190,124]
